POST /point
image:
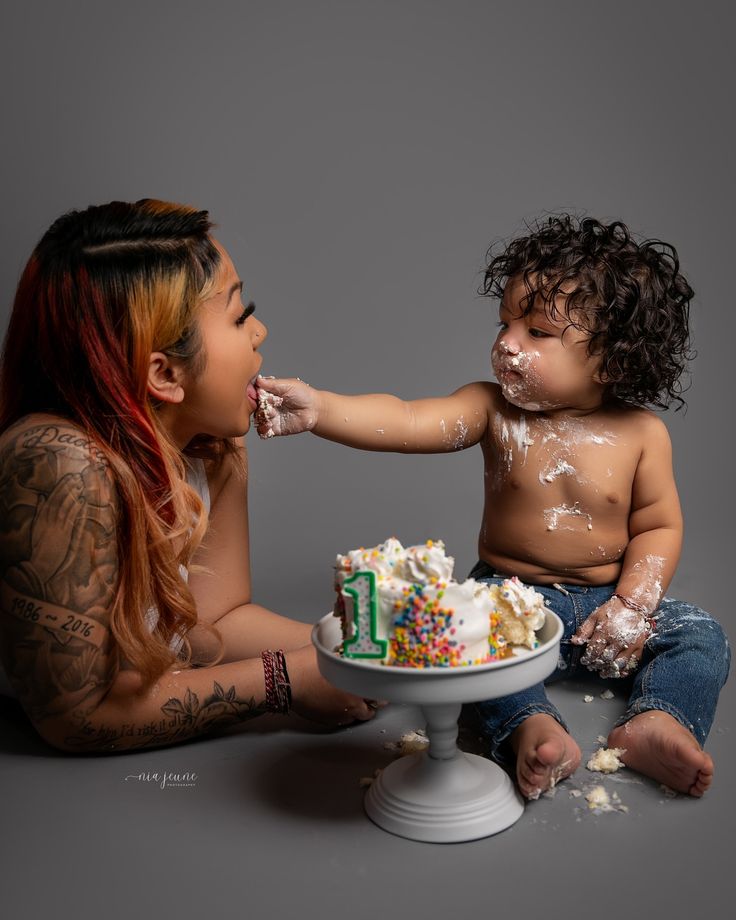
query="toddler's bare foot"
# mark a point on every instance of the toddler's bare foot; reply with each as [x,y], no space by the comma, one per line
[545,754]
[657,745]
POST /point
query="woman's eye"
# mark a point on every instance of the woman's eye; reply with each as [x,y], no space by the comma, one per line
[249,310]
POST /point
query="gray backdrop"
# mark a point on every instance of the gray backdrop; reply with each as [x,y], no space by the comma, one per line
[359,158]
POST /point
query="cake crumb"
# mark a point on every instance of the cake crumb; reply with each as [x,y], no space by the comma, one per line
[606,760]
[587,698]
[575,793]
[598,798]
[412,742]
[366,781]
[600,802]
[607,694]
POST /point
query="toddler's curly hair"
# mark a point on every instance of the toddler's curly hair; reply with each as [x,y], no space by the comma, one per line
[628,296]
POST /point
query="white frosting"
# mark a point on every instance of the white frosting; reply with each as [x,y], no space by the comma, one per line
[521,609]
[429,618]
[422,563]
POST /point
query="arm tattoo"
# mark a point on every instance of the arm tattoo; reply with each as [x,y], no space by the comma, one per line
[58,579]
[180,719]
[58,568]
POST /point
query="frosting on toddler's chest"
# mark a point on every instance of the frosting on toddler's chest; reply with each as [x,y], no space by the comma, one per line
[565,456]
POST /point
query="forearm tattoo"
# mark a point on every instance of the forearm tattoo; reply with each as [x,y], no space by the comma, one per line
[181,718]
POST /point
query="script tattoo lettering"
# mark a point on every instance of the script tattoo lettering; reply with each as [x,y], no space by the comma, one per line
[181,718]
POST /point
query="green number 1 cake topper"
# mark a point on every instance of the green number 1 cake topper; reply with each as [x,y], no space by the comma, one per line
[364,642]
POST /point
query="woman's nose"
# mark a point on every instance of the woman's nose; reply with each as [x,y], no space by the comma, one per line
[260,333]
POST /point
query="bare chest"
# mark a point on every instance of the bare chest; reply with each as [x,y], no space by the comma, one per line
[567,467]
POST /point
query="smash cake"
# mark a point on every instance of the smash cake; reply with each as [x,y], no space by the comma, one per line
[402,607]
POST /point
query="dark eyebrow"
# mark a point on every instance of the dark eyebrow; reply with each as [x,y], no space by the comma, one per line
[238,286]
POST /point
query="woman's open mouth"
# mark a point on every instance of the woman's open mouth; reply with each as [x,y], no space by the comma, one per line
[252,392]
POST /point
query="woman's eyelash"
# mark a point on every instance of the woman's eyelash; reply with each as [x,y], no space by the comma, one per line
[249,310]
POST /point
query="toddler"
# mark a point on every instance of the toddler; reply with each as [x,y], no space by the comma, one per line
[580,497]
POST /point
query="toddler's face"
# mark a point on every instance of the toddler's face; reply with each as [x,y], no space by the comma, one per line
[542,364]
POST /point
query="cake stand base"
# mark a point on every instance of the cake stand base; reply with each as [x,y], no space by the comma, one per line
[443,795]
[443,801]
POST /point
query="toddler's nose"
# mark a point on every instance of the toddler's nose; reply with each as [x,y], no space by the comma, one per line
[509,347]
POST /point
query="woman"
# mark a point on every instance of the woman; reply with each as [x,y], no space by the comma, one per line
[127,383]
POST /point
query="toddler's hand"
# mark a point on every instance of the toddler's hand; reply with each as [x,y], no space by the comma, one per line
[284,407]
[615,638]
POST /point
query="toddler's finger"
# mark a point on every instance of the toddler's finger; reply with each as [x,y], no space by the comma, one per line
[584,633]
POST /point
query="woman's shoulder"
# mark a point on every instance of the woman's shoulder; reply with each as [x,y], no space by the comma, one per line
[40,431]
[46,448]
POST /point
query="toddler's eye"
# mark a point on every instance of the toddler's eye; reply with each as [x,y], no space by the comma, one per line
[538,334]
[249,310]
[502,325]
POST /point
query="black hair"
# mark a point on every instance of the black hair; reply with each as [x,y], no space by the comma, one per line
[628,296]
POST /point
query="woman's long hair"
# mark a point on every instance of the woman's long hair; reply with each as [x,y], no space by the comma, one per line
[103,289]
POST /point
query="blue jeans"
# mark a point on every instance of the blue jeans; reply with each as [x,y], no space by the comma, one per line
[684,664]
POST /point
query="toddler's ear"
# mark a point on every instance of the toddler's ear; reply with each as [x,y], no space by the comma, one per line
[164,379]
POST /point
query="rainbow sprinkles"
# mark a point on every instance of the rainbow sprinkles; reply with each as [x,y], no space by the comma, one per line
[402,607]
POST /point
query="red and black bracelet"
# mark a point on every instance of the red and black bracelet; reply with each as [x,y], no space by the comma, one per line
[278,688]
[637,608]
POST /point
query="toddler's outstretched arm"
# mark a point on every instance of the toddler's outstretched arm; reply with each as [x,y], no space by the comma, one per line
[375,422]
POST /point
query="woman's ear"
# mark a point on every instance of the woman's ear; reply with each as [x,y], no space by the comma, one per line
[165,379]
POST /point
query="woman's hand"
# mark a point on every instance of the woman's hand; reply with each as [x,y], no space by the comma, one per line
[615,637]
[285,407]
[316,699]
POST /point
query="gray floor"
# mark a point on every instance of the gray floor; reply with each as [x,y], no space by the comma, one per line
[271,824]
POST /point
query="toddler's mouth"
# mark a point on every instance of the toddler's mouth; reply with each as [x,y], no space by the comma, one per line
[508,373]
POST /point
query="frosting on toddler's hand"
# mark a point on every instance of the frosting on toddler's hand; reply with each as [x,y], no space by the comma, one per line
[615,637]
[268,403]
[284,407]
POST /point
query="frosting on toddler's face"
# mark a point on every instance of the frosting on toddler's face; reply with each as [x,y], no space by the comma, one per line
[541,361]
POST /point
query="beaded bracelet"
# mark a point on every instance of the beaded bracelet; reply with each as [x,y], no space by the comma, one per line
[632,605]
[637,608]
[278,688]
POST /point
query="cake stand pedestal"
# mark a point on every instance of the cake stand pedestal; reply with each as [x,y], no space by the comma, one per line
[442,795]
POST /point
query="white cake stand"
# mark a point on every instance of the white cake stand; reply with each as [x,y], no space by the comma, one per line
[443,795]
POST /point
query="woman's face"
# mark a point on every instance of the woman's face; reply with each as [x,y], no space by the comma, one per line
[221,398]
